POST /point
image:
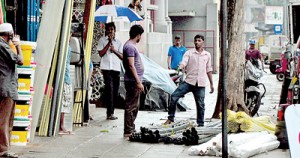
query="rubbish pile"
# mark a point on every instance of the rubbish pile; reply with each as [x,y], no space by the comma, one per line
[239,145]
[247,137]
[241,122]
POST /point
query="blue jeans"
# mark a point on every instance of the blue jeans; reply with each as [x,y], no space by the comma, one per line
[199,95]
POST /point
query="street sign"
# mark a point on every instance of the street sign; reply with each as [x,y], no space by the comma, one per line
[278,29]
[292,120]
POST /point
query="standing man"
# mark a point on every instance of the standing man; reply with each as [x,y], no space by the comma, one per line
[197,63]
[175,53]
[110,51]
[8,85]
[67,99]
[134,70]
[252,53]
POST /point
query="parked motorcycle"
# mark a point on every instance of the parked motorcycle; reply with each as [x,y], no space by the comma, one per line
[254,90]
[177,77]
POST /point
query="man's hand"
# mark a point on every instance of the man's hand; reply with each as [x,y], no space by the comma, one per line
[112,48]
[211,88]
[178,70]
[140,87]
[16,40]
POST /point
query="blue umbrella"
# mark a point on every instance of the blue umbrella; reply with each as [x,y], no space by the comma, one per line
[107,13]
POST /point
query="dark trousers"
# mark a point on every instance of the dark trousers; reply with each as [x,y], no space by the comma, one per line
[111,89]
[131,106]
[7,111]
[199,95]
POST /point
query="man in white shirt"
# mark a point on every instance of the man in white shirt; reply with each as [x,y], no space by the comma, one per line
[110,50]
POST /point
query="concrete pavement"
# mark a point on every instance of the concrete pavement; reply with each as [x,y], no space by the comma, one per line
[90,142]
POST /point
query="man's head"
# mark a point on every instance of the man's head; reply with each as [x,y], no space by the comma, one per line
[198,41]
[110,29]
[136,32]
[177,40]
[252,43]
[6,31]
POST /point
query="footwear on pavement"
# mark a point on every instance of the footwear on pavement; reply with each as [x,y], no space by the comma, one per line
[168,122]
[112,117]
[127,134]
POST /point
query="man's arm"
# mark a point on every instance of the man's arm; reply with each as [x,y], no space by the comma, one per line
[169,62]
[134,73]
[16,42]
[209,75]
[184,61]
[20,55]
[104,50]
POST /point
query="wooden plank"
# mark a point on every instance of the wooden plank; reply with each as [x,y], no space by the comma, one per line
[44,53]
[61,68]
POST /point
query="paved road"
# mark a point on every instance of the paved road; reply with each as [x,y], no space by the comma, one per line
[89,142]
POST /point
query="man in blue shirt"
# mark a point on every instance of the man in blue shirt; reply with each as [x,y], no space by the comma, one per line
[175,53]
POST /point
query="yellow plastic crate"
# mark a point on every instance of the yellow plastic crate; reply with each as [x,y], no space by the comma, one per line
[24,84]
[19,138]
[22,111]
[27,53]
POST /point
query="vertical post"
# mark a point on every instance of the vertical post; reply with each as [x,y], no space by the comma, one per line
[224,68]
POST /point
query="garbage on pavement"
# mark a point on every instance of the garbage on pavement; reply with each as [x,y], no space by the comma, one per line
[240,121]
[247,136]
[239,145]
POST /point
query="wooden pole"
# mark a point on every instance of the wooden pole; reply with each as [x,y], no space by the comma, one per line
[224,47]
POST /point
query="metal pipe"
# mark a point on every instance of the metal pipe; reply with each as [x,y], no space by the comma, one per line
[224,76]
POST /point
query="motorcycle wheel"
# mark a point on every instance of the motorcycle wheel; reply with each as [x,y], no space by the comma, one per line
[280,76]
[254,110]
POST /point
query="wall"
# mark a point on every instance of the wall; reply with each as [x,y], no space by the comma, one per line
[204,22]
[158,46]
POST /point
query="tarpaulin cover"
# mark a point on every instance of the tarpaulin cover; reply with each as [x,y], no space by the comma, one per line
[158,87]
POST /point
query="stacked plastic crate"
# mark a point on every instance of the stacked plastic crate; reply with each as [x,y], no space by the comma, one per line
[22,119]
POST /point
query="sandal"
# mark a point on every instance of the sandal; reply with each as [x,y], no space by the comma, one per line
[112,117]
[9,155]
[168,122]
[65,133]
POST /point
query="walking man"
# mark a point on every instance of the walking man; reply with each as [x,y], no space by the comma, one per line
[8,85]
[110,51]
[197,64]
[175,53]
[133,76]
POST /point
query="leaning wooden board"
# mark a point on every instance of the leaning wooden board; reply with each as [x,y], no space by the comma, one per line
[292,120]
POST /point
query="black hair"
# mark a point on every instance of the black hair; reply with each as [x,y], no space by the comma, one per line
[4,33]
[110,24]
[135,30]
[199,36]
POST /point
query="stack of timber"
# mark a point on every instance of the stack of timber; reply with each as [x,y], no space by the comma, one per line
[182,132]
[80,96]
[49,124]
[46,42]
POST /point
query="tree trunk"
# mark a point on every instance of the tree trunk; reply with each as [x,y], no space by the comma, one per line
[235,60]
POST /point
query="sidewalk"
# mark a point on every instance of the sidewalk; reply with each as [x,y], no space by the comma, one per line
[90,142]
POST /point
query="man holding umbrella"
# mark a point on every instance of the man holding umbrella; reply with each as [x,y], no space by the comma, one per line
[110,51]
